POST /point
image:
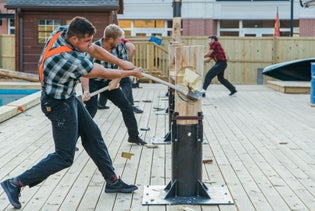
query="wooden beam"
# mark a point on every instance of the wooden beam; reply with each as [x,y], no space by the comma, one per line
[19,75]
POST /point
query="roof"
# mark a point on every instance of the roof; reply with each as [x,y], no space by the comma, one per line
[62,4]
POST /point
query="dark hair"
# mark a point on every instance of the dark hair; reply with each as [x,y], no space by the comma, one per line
[213,37]
[80,26]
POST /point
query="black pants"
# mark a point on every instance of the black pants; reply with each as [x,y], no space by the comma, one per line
[218,70]
[69,120]
[126,87]
[119,99]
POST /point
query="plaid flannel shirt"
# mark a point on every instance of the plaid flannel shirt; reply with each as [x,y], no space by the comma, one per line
[218,52]
[120,52]
[63,71]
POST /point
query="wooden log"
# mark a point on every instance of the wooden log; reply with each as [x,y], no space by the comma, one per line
[171,58]
[176,30]
[188,57]
[19,75]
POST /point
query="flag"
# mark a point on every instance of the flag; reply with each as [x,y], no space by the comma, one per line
[276,32]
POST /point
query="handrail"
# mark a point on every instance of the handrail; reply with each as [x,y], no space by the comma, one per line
[151,57]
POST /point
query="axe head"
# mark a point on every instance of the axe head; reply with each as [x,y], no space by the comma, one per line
[194,95]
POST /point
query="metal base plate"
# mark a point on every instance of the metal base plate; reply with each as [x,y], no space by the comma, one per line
[155,195]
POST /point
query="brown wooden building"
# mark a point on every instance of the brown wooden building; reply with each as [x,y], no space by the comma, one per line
[36,19]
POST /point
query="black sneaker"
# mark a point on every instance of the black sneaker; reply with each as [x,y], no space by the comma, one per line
[137,140]
[119,187]
[13,192]
[137,110]
[233,92]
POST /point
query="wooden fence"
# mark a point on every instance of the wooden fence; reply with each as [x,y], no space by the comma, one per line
[7,51]
[246,55]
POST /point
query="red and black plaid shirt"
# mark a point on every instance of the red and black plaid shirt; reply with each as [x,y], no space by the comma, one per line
[218,52]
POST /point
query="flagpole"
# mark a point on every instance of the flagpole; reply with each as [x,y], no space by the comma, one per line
[291,20]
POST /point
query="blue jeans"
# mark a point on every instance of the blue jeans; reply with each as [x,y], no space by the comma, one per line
[119,99]
[69,120]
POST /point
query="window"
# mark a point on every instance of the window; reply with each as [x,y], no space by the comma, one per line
[252,28]
[146,27]
[45,28]
[144,23]
[11,26]
[124,23]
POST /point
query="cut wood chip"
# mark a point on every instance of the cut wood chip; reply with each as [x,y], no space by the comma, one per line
[127,155]
[207,161]
[192,79]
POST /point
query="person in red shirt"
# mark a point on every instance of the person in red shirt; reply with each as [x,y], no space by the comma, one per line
[216,53]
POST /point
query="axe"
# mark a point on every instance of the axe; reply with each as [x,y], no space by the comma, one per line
[196,95]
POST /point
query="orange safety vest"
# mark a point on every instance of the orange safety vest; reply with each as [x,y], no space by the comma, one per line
[50,52]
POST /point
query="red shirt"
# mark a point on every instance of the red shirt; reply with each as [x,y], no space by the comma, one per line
[218,52]
[124,40]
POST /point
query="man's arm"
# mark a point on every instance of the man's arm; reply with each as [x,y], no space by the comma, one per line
[208,54]
[101,54]
[207,59]
[131,50]
[86,89]
[99,71]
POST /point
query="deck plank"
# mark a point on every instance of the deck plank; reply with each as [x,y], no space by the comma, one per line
[260,142]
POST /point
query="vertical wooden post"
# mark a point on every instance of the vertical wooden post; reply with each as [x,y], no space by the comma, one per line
[171,59]
[187,57]
[177,25]
[176,30]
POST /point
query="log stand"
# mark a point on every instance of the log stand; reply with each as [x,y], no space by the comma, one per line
[186,131]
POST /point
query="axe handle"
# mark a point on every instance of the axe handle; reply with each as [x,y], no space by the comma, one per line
[99,91]
[164,82]
[95,93]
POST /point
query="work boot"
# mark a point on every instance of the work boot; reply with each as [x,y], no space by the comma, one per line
[233,92]
[119,187]
[137,140]
[13,192]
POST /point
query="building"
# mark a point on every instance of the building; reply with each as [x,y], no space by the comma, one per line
[6,19]
[35,20]
[200,18]
[221,17]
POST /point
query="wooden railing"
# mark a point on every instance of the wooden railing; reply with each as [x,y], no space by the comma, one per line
[152,58]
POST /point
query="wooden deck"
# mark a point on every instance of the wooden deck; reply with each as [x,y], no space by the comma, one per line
[261,142]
